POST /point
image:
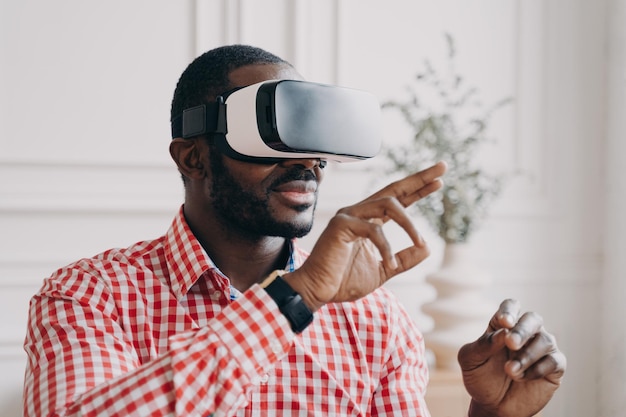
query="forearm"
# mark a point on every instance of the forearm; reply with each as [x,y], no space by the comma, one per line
[154,388]
[196,377]
[203,371]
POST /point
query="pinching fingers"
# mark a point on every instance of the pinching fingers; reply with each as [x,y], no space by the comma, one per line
[526,328]
[382,210]
[506,316]
[537,358]
[414,187]
[551,367]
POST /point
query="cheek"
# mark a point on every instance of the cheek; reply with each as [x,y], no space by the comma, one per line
[251,177]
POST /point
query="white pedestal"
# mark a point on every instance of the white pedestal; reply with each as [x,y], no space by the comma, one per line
[460,311]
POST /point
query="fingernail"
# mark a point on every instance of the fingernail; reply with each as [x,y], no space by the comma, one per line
[515,366]
[508,318]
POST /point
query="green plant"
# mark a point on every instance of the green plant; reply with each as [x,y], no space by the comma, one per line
[448,123]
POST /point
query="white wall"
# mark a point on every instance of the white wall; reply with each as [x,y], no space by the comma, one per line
[612,390]
[85,89]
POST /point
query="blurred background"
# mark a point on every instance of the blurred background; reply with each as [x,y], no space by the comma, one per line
[85,90]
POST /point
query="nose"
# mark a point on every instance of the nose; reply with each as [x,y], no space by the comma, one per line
[307,163]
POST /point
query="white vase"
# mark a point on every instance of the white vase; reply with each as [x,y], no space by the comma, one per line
[460,311]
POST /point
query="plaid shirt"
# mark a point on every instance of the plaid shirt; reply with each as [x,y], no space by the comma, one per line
[151,330]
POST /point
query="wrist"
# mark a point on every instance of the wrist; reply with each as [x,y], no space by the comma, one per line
[476,410]
[289,301]
[295,281]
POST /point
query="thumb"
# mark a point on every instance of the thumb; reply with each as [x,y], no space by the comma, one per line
[475,354]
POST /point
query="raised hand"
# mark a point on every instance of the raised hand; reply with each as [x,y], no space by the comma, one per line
[514,368]
[353,257]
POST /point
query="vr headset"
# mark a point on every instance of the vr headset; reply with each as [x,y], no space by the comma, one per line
[277,119]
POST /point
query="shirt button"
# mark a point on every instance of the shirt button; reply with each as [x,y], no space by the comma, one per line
[216,295]
[265,378]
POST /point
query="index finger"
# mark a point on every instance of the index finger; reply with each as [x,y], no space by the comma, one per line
[414,187]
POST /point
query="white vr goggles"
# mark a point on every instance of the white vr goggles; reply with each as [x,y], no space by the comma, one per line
[279,119]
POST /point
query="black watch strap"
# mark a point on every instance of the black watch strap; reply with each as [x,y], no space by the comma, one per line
[290,303]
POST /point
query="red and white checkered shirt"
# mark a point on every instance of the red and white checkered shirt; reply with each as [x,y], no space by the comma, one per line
[151,330]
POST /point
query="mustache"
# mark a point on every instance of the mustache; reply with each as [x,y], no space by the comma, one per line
[295,174]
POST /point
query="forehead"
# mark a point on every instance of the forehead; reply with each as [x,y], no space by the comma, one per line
[252,74]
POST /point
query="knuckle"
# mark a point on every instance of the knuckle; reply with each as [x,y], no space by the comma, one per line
[388,201]
[345,211]
[392,200]
[548,339]
[339,220]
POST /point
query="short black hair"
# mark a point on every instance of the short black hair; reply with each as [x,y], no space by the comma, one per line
[207,76]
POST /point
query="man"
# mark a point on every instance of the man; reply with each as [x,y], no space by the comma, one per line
[197,323]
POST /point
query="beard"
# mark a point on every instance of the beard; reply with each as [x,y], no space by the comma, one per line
[250,214]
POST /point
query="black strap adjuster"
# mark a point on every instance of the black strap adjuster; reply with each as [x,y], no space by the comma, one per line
[202,119]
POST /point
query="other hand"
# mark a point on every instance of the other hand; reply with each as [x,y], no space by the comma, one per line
[352,256]
[514,368]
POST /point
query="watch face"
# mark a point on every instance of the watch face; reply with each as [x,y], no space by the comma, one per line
[298,314]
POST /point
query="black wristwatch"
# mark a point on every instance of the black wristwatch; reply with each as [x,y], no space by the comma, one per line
[289,302]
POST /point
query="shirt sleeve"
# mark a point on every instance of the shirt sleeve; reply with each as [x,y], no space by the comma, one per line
[81,363]
[404,380]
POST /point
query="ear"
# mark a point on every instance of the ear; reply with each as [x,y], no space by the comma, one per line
[188,157]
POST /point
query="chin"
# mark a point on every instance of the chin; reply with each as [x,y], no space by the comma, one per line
[296,229]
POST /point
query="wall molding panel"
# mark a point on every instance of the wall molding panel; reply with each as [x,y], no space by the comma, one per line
[62,187]
[92,171]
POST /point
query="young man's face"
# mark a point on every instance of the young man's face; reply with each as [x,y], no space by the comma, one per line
[264,199]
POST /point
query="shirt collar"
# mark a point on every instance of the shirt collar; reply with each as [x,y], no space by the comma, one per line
[185,257]
[187,260]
